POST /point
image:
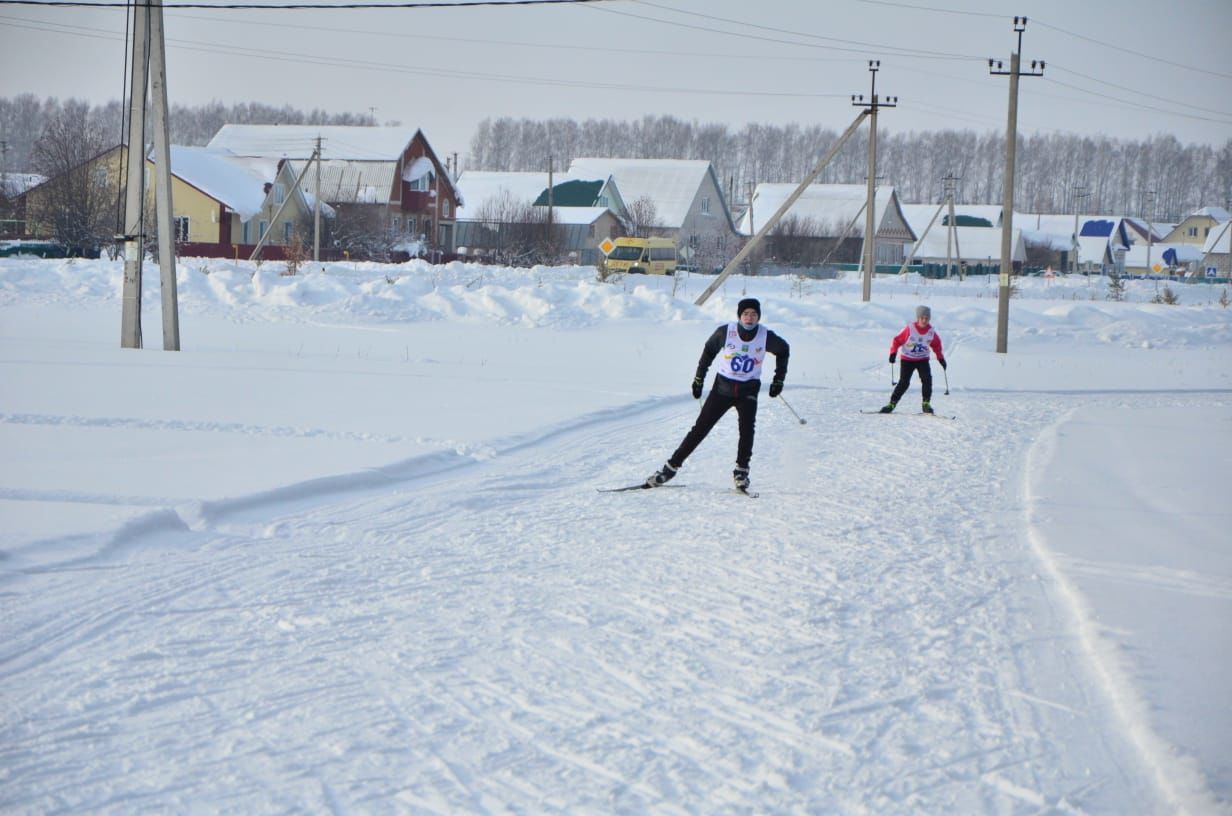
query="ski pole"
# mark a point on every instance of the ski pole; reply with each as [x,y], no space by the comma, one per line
[803,421]
[892,380]
[947,380]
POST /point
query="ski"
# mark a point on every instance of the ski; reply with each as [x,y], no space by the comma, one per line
[916,413]
[744,491]
[639,486]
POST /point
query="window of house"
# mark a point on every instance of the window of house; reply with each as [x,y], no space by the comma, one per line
[395,224]
[706,204]
[247,239]
[423,183]
[286,232]
[262,227]
[694,241]
[280,194]
[181,228]
[410,224]
[445,208]
[1193,232]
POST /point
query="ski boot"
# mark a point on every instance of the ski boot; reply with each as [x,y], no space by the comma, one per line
[926,408]
[740,478]
[887,408]
[661,476]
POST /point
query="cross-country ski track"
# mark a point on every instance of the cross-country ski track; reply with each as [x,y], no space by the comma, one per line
[884,631]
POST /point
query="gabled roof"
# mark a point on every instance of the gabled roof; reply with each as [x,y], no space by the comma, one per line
[1217,213]
[238,183]
[672,184]
[481,186]
[975,245]
[918,215]
[572,193]
[298,141]
[1162,254]
[831,207]
[349,182]
[1218,239]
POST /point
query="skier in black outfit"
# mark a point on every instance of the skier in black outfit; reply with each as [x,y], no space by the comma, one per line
[743,345]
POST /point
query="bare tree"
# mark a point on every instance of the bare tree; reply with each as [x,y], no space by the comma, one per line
[79,200]
[645,216]
[362,232]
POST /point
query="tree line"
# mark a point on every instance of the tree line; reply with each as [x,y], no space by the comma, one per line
[25,118]
[1158,177]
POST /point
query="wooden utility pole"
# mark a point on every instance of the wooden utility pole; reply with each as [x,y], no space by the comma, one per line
[1007,202]
[870,208]
[735,262]
[134,197]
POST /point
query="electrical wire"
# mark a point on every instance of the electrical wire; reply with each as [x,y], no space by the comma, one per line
[258,6]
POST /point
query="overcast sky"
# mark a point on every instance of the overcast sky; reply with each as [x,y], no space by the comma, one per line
[1124,68]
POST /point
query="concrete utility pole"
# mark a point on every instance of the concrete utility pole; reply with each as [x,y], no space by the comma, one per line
[1077,193]
[316,206]
[148,72]
[952,234]
[162,180]
[131,239]
[1150,228]
[734,263]
[870,209]
[1007,206]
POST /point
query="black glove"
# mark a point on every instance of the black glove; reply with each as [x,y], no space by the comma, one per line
[893,357]
[697,388]
[776,388]
[942,361]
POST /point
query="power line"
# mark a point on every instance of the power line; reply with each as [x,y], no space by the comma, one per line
[907,52]
[278,6]
[310,59]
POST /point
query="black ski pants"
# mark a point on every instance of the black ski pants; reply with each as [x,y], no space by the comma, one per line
[713,408]
[904,379]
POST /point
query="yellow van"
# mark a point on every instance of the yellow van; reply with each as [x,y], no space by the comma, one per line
[643,256]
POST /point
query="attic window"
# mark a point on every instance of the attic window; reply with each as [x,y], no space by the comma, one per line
[419,175]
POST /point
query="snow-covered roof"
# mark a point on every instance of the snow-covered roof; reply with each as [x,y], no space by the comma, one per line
[14,184]
[1217,213]
[975,245]
[237,183]
[578,215]
[830,207]
[350,182]
[417,169]
[1162,255]
[672,184]
[478,187]
[1217,240]
[298,141]
[918,215]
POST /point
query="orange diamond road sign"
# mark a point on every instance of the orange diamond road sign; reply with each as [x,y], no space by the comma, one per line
[607,246]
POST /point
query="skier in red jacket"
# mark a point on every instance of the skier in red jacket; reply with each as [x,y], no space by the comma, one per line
[915,340]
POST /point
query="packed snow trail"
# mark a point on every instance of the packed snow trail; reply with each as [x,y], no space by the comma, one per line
[872,636]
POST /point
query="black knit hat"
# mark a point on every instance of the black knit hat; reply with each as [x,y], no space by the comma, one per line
[749,303]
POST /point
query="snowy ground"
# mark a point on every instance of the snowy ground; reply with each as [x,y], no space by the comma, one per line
[344,553]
